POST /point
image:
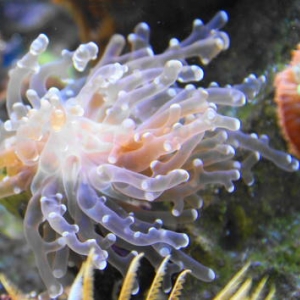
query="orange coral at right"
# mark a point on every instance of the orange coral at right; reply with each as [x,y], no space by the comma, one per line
[287,96]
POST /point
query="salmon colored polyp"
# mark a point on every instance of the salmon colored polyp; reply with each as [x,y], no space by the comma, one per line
[287,97]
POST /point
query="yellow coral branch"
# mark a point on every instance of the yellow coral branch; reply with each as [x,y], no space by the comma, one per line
[130,278]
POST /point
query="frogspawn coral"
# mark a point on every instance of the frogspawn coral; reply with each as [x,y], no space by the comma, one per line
[114,159]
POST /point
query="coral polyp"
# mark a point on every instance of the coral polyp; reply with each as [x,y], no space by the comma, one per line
[113,159]
[287,98]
